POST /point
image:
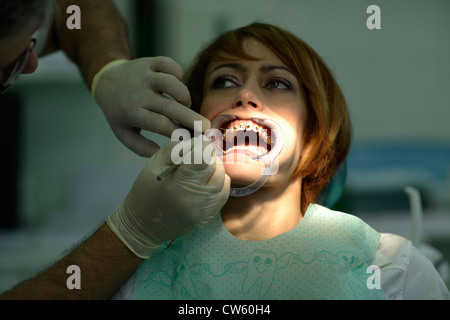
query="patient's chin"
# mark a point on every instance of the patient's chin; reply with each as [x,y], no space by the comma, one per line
[243,174]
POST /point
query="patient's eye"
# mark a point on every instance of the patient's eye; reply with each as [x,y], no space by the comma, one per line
[279,84]
[223,82]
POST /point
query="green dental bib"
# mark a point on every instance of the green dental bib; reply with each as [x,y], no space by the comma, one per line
[326,256]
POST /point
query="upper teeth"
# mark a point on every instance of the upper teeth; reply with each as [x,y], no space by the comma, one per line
[236,127]
[246,127]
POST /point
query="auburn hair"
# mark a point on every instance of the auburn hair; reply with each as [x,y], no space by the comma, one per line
[328,129]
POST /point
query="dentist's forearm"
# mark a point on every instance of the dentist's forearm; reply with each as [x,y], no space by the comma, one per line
[104,262]
[103,36]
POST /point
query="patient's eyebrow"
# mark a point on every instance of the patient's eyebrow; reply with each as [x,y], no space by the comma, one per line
[239,67]
[236,66]
[268,67]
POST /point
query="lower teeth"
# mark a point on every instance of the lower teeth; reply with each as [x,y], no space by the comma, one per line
[255,150]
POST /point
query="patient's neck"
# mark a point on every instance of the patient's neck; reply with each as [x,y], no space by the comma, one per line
[268,212]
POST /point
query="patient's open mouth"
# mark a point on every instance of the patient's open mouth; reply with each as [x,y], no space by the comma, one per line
[246,136]
[258,138]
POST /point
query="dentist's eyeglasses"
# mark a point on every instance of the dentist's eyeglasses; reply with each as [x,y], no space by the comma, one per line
[11,73]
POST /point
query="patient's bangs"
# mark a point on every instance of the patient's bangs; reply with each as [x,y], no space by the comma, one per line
[229,47]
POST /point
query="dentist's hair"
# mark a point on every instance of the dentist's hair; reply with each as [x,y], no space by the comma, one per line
[19,13]
[327,135]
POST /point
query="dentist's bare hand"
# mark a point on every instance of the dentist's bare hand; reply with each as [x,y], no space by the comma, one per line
[156,211]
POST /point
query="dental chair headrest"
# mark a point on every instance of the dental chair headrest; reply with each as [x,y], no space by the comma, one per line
[333,191]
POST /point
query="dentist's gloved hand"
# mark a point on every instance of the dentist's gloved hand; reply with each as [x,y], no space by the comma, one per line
[130,93]
[155,211]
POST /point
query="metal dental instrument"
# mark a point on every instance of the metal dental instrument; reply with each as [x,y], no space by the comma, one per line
[172,167]
[166,171]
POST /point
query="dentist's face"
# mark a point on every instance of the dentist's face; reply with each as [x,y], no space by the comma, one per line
[13,47]
[262,88]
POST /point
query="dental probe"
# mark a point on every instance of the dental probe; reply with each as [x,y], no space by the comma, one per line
[169,169]
[166,171]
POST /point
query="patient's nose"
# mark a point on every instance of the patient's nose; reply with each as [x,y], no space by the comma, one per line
[247,98]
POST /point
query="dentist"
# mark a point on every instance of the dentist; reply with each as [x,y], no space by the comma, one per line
[121,86]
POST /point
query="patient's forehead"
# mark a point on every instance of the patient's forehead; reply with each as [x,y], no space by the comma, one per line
[252,49]
[258,54]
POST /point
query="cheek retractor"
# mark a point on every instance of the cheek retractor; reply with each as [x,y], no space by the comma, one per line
[269,158]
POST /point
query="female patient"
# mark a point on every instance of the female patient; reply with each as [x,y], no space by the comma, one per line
[276,243]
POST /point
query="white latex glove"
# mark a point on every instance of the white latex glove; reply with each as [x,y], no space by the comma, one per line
[155,211]
[130,93]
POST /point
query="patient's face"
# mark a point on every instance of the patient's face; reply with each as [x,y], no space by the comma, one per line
[263,88]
